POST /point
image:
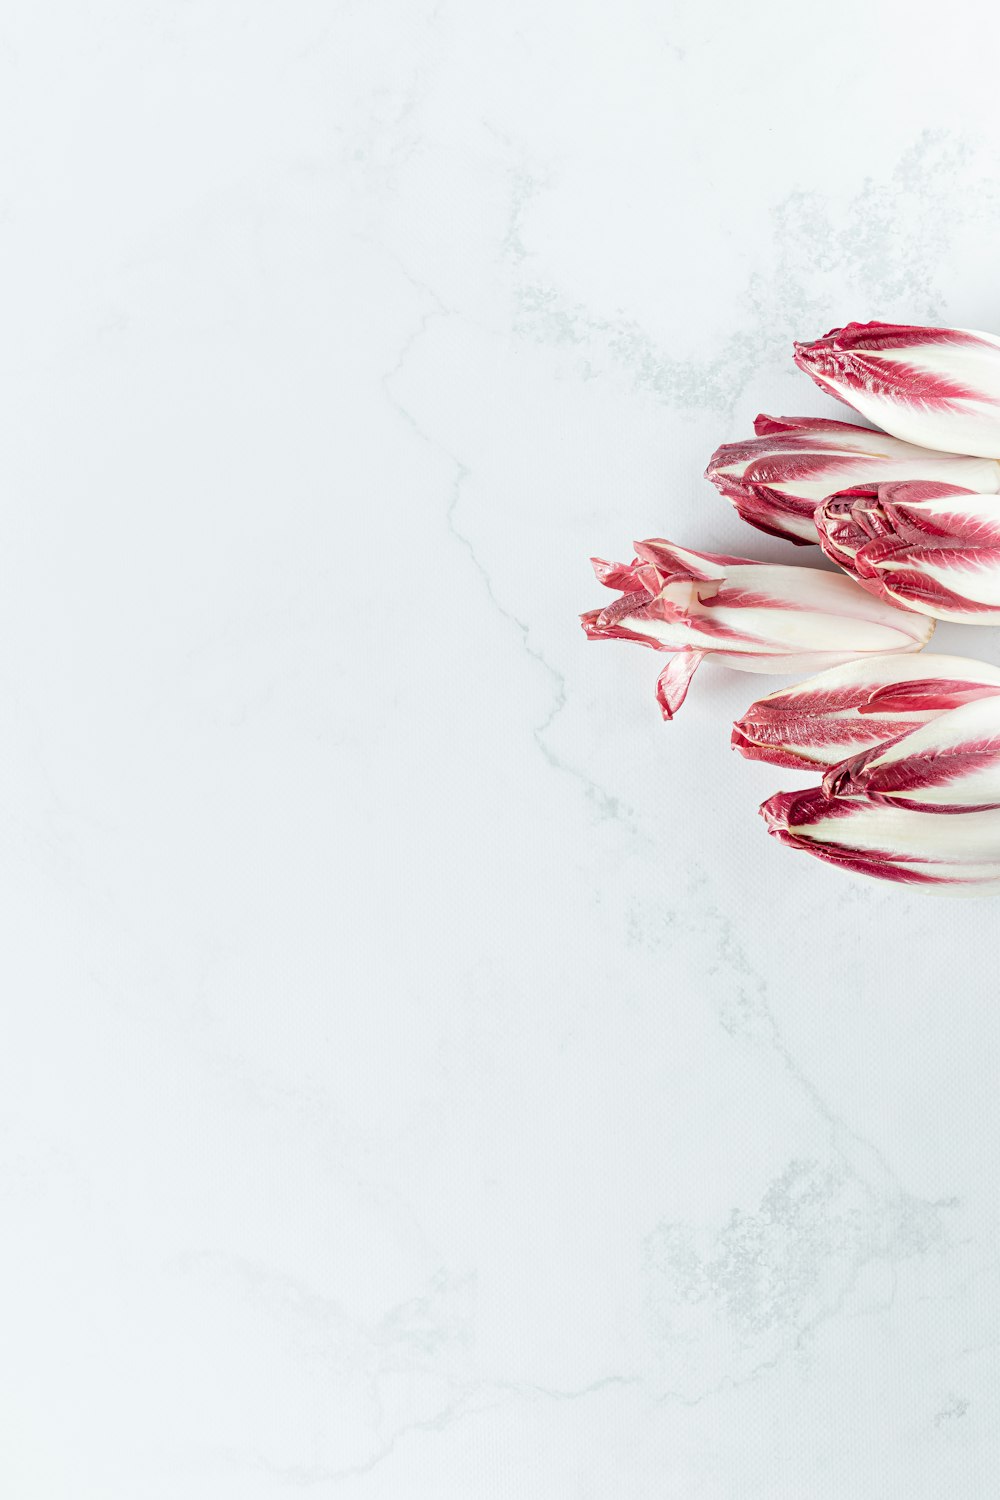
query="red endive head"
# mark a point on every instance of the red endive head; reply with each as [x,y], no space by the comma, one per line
[776,479]
[852,708]
[935,387]
[758,617]
[930,547]
[955,852]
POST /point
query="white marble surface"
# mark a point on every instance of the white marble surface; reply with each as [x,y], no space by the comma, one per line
[422,1078]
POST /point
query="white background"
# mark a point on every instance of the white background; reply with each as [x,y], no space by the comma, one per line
[421,1078]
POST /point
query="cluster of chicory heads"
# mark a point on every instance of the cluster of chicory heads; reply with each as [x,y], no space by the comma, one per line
[908,747]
